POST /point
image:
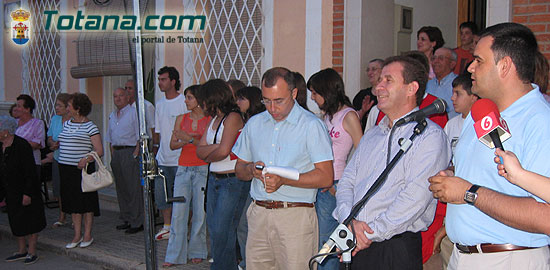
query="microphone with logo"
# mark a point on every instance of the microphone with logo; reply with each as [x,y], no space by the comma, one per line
[490,128]
[438,106]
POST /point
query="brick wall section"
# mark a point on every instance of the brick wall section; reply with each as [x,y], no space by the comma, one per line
[338,36]
[535,14]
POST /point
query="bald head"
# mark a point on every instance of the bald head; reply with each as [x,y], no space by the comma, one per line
[443,62]
[120,98]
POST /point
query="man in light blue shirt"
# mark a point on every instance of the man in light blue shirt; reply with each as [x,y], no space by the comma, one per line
[282,223]
[403,207]
[123,136]
[443,62]
[494,223]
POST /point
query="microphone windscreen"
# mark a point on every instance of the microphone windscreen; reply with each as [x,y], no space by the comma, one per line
[482,107]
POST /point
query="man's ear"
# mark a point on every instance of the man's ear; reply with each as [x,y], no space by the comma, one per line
[505,66]
[294,93]
[412,88]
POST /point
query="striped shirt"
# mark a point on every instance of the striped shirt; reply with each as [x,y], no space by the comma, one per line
[75,141]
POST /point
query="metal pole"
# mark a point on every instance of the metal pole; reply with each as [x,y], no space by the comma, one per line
[147,165]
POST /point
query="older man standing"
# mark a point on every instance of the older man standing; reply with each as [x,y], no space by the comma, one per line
[282,223]
[123,135]
[494,223]
[388,227]
[149,107]
[443,63]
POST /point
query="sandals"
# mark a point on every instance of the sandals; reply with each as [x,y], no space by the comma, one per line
[196,260]
[58,224]
[167,265]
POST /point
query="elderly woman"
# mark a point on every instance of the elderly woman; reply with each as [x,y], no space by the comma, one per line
[29,128]
[22,190]
[78,137]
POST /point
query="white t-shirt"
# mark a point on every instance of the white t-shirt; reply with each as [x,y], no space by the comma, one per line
[166,112]
[453,129]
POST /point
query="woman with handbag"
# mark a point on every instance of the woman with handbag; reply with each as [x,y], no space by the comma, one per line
[78,137]
[226,195]
[21,188]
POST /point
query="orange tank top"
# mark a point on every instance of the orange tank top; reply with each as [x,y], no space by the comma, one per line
[188,156]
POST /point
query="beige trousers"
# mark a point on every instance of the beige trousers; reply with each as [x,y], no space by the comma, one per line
[280,239]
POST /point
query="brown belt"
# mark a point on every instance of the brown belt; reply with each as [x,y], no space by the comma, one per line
[278,204]
[489,248]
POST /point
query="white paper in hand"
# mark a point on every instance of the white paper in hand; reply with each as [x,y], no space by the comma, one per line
[286,172]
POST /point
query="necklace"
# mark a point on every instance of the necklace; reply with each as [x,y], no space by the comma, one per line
[74,126]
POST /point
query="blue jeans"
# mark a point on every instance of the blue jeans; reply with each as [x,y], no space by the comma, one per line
[324,206]
[224,206]
[190,182]
[170,173]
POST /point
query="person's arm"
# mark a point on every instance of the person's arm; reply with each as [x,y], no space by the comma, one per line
[97,146]
[511,170]
[523,213]
[366,105]
[232,124]
[37,140]
[53,144]
[352,126]
[203,148]
[175,141]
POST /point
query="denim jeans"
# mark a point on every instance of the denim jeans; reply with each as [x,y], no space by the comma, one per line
[170,173]
[190,182]
[224,206]
[324,206]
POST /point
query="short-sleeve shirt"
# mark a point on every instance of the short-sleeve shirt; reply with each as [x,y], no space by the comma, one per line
[166,112]
[75,141]
[56,126]
[33,131]
[527,119]
[298,141]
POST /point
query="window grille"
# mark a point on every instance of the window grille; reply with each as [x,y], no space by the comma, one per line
[42,61]
[232,47]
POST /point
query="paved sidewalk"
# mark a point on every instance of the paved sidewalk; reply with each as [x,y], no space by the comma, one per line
[111,249]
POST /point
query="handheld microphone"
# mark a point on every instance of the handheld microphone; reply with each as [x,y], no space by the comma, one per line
[438,106]
[490,128]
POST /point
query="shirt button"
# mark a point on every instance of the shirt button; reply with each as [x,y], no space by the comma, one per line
[270,162]
[273,145]
[276,128]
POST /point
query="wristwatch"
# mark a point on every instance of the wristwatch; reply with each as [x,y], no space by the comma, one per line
[192,140]
[470,196]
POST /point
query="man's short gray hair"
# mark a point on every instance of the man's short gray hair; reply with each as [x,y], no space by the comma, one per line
[8,123]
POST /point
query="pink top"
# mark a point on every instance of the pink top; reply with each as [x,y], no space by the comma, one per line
[341,140]
[33,131]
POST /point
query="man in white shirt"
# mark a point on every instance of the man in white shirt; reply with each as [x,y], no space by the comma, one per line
[149,107]
[168,108]
[123,136]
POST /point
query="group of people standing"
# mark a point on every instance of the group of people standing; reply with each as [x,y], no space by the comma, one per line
[71,136]
[218,143]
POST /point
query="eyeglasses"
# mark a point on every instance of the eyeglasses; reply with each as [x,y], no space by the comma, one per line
[373,69]
[279,101]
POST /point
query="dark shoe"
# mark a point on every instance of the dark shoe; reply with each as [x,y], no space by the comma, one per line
[16,257]
[134,230]
[123,226]
[30,259]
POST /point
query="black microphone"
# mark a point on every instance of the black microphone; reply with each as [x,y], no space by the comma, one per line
[438,106]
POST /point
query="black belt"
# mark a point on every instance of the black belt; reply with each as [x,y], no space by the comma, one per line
[120,147]
[222,175]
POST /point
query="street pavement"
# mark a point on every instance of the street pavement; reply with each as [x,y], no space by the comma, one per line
[111,249]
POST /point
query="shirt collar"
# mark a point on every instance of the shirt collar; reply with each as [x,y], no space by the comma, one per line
[292,117]
[385,122]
